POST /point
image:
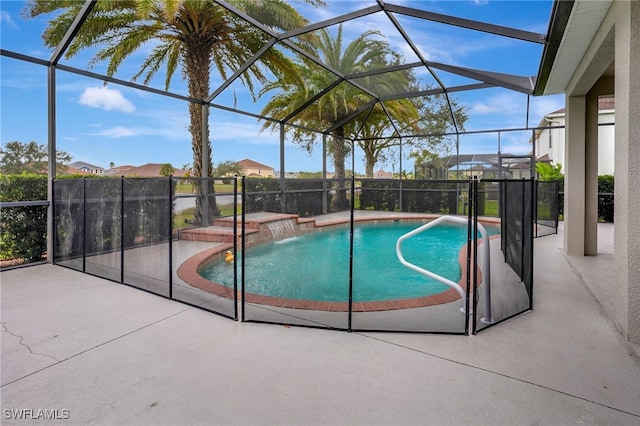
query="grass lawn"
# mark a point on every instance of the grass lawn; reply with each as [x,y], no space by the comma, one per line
[491,208]
[184,218]
[187,188]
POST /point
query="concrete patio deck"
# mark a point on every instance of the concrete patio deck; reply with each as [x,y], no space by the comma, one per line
[91,351]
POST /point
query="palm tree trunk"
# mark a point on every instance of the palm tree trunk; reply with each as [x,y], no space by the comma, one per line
[198,68]
[340,151]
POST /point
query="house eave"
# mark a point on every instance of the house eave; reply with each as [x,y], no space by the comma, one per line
[572,27]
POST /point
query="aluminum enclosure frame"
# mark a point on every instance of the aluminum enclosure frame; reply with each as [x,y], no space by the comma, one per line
[485,79]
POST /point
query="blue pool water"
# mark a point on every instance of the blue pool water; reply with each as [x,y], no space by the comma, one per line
[316,266]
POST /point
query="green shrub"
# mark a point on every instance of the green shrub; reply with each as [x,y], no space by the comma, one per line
[380,195]
[262,195]
[430,196]
[605,202]
[302,197]
[306,202]
[23,230]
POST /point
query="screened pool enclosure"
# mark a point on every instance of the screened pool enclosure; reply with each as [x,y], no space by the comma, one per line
[135,230]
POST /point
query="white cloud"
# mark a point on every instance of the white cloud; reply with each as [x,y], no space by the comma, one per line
[501,104]
[106,98]
[246,133]
[162,131]
[5,19]
[523,147]
[118,132]
[543,105]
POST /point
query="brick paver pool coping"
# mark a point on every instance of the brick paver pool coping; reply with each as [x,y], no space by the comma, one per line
[189,273]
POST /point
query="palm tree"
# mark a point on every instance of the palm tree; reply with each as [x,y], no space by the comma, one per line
[194,35]
[364,53]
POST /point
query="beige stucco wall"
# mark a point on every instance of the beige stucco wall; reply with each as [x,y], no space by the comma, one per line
[617,40]
[627,195]
[264,172]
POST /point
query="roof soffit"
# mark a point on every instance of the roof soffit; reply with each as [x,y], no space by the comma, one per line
[582,26]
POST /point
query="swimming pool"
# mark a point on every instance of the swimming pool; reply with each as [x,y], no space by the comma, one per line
[315,266]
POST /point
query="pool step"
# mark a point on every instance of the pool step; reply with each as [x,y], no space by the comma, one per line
[219,234]
[259,228]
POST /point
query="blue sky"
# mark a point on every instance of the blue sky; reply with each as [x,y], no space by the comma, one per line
[100,124]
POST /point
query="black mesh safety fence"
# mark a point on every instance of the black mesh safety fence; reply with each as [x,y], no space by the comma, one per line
[339,269]
[69,217]
[292,274]
[503,280]
[412,196]
[103,228]
[410,262]
[155,234]
[146,232]
[303,197]
[340,254]
[547,207]
[204,245]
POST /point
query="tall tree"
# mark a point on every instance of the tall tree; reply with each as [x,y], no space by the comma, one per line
[227,168]
[194,35]
[17,157]
[436,122]
[433,119]
[366,52]
[374,144]
[166,169]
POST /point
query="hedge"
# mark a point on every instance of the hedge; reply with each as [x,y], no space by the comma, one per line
[605,202]
[266,195]
[23,230]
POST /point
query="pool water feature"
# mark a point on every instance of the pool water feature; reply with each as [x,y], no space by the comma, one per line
[316,266]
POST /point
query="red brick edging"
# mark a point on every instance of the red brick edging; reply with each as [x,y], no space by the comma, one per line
[189,273]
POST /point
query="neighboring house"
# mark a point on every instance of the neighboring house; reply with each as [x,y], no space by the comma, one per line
[117,170]
[146,170]
[381,174]
[71,171]
[86,168]
[551,141]
[287,175]
[252,168]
